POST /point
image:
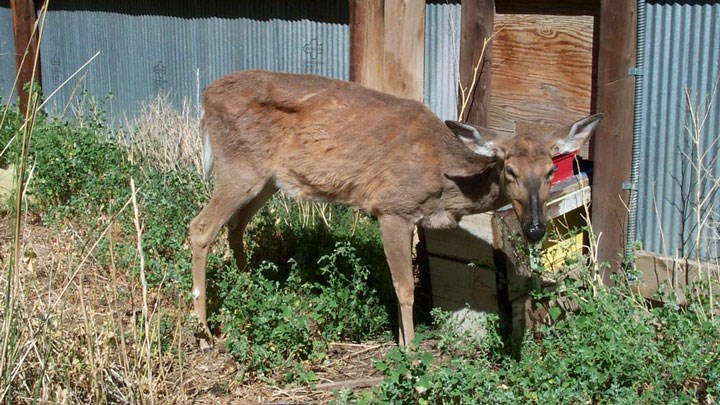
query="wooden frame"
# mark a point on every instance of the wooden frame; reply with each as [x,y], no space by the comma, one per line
[388,46]
[476,25]
[612,145]
[27,59]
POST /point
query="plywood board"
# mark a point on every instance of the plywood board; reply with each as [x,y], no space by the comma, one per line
[658,273]
[458,244]
[457,285]
[542,69]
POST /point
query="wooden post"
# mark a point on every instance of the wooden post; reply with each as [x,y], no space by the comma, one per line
[27,59]
[404,43]
[387,40]
[612,143]
[367,42]
[476,26]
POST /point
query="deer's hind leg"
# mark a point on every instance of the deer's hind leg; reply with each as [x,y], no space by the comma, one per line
[239,221]
[234,194]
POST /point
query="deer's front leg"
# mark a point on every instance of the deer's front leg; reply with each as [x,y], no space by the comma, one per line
[397,240]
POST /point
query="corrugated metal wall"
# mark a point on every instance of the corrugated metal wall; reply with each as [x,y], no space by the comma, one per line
[149,48]
[682,55]
[442,47]
[7,51]
[165,47]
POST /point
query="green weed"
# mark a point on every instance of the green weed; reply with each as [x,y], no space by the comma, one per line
[275,326]
[612,349]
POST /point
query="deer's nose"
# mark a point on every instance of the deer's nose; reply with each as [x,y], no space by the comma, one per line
[534,231]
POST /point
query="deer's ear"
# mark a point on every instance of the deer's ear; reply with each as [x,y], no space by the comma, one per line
[571,138]
[479,140]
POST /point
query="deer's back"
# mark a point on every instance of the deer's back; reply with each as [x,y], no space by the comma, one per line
[327,139]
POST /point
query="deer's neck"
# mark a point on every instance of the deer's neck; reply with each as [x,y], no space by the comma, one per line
[465,195]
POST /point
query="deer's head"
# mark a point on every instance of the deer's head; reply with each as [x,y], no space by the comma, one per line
[527,166]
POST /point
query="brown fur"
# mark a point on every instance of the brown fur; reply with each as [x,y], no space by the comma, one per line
[337,141]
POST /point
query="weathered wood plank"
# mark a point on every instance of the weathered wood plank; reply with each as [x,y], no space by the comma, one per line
[664,272]
[387,48]
[404,48]
[456,285]
[612,143]
[459,244]
[476,26]
[27,59]
[367,42]
[542,69]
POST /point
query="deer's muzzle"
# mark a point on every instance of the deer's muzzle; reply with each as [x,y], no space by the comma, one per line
[534,230]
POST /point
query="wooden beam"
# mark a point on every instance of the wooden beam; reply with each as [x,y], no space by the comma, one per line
[404,48]
[476,26]
[612,143]
[664,274]
[27,59]
[387,51]
[367,42]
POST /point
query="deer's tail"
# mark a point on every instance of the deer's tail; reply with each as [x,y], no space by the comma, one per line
[207,149]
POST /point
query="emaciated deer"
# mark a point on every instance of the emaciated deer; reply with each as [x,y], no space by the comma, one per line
[317,138]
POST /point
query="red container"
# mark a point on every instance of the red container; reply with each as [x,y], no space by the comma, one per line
[564,163]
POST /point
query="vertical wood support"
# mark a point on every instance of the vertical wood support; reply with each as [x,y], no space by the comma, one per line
[367,42]
[612,143]
[404,48]
[476,26]
[387,40]
[27,59]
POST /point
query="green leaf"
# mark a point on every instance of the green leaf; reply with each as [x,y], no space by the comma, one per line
[427,358]
[554,312]
[423,381]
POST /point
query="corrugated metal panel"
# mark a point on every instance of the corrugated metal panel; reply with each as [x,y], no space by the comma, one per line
[442,55]
[147,48]
[7,52]
[682,54]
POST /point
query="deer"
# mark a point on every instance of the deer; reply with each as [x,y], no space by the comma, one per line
[318,138]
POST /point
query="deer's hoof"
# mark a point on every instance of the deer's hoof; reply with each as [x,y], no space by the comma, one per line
[205,344]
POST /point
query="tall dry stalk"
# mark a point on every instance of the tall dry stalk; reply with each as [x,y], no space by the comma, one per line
[10,348]
[703,160]
[466,93]
[166,138]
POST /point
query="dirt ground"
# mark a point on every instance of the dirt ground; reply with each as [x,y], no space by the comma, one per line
[84,324]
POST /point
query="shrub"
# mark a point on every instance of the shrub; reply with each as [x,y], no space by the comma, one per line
[168,201]
[273,326]
[77,165]
[613,349]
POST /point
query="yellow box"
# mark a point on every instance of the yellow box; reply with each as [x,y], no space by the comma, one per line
[565,240]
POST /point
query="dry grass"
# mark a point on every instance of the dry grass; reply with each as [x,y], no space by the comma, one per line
[83,332]
[83,336]
[164,137]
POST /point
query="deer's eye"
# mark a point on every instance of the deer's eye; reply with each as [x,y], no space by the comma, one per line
[510,173]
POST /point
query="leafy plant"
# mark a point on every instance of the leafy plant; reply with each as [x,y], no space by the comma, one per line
[611,349]
[273,325]
[168,202]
